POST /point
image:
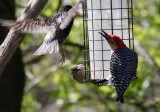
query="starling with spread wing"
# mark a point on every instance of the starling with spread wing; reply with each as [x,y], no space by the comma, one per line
[57,28]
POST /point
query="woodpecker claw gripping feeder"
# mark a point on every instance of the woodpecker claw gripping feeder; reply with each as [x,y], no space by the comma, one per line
[112,16]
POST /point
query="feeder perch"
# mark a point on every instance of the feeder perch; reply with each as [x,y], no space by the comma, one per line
[114,17]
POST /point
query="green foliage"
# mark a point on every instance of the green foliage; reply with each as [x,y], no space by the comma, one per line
[149,37]
[29,104]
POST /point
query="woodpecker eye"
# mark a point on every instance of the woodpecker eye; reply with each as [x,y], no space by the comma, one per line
[112,42]
[121,41]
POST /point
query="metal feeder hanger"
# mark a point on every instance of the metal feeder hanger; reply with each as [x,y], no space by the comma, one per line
[114,17]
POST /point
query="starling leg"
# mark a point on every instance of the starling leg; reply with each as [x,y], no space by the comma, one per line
[62,54]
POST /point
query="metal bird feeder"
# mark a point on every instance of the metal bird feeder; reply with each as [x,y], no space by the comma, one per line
[114,17]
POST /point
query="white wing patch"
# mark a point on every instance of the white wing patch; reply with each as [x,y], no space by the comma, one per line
[47,48]
[49,36]
[71,14]
[49,45]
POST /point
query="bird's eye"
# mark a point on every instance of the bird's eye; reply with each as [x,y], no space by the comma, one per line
[121,41]
[112,42]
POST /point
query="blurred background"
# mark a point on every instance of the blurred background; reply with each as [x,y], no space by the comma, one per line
[39,84]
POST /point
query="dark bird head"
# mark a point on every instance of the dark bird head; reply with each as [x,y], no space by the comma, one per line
[78,73]
[65,8]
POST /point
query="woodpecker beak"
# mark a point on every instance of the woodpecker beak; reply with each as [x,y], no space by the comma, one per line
[104,34]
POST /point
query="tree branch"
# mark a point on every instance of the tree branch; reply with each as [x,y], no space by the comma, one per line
[48,72]
[146,56]
[14,38]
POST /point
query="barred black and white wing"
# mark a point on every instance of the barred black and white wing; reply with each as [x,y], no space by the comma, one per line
[30,25]
[123,67]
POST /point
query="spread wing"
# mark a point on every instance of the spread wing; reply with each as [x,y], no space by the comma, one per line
[71,14]
[29,25]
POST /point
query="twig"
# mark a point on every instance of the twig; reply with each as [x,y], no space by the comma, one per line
[59,5]
[14,38]
[146,56]
[37,80]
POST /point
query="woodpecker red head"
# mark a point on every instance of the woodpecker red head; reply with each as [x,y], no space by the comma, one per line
[114,41]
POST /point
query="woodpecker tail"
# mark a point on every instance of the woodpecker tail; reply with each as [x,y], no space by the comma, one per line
[120,98]
[47,48]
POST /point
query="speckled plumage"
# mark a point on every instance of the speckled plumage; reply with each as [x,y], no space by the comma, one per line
[123,67]
[57,28]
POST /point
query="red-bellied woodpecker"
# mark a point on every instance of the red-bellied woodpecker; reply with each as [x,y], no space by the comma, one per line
[57,28]
[123,64]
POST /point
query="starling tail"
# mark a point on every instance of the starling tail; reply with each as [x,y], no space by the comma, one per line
[47,48]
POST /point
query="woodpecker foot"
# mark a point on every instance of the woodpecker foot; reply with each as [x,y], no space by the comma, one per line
[103,82]
[98,81]
[134,78]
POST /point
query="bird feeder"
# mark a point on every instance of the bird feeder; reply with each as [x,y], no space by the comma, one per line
[114,17]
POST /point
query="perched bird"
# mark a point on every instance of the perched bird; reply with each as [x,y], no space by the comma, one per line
[57,28]
[78,73]
[123,64]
